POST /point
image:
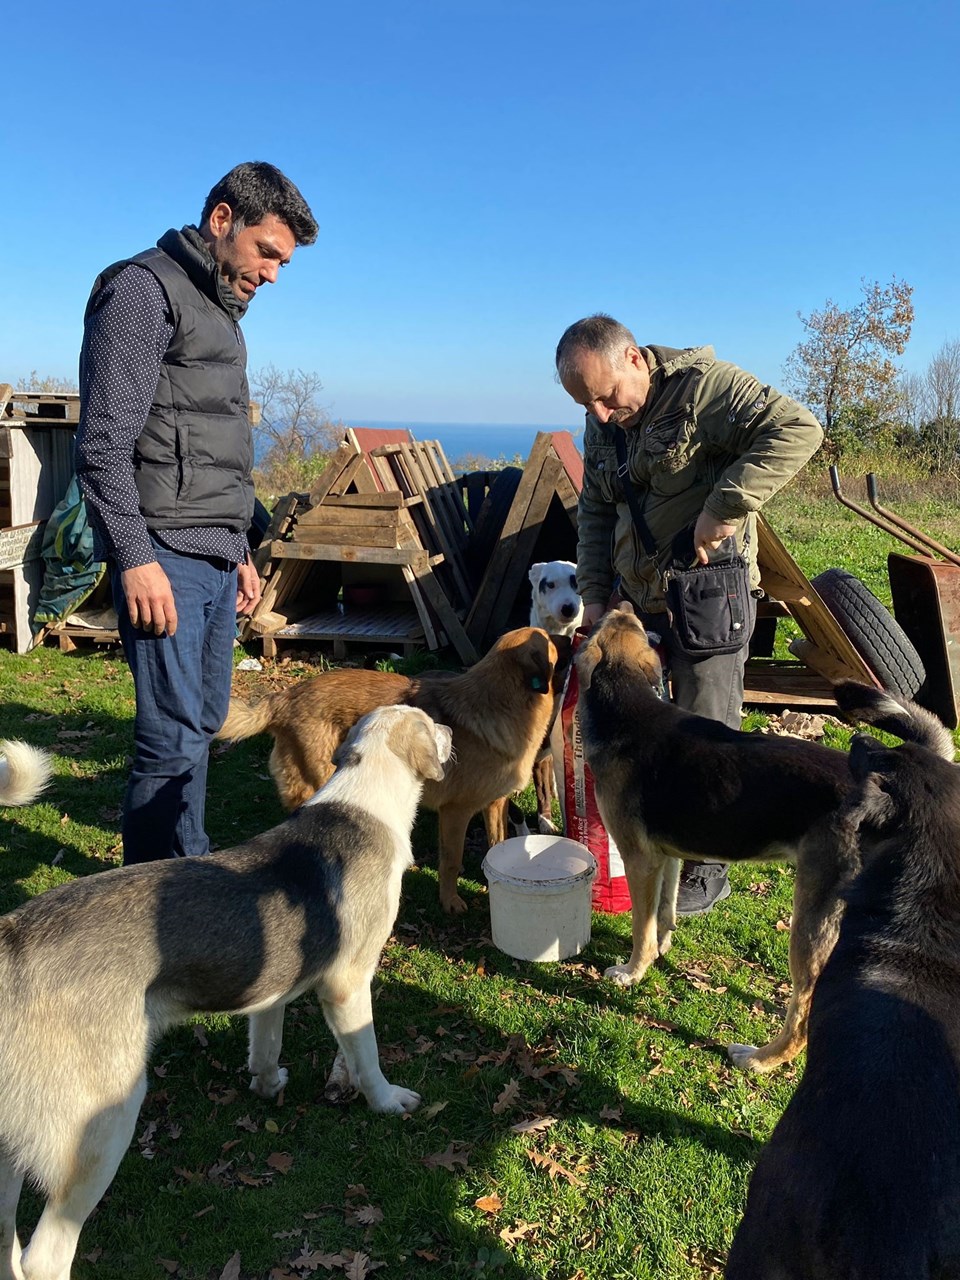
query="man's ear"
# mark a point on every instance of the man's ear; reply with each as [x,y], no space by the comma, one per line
[220,221]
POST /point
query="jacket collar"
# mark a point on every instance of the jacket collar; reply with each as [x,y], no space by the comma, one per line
[190,251]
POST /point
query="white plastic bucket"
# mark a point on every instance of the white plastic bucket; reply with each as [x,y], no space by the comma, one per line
[540,896]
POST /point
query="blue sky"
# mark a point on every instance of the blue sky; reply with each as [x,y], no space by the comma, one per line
[485,173]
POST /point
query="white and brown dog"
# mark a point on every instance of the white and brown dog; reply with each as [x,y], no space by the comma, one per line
[93,972]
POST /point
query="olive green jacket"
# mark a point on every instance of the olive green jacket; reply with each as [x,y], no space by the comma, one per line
[710,437]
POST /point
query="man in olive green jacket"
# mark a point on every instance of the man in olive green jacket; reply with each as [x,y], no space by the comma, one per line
[706,446]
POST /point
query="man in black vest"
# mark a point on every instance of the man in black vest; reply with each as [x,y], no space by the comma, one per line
[164,459]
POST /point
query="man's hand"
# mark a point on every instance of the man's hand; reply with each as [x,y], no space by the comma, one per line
[709,533]
[248,587]
[149,598]
[592,613]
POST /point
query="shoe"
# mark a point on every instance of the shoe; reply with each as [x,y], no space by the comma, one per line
[702,886]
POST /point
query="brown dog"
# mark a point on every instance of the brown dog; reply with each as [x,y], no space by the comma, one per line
[499,711]
[671,785]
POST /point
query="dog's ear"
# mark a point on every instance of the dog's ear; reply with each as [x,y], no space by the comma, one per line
[588,655]
[416,739]
[626,607]
[535,574]
[564,648]
[347,754]
[538,658]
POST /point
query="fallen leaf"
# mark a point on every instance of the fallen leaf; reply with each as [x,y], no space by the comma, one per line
[611,1113]
[232,1270]
[489,1204]
[508,1098]
[312,1259]
[554,1169]
[518,1232]
[358,1268]
[169,1265]
[534,1125]
[427,1113]
[456,1153]
[368,1214]
[280,1161]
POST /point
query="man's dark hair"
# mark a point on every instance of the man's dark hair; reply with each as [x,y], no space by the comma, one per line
[599,333]
[256,189]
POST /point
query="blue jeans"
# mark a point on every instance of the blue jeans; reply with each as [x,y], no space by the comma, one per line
[182,685]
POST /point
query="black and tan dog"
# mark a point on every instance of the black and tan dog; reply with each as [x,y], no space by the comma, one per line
[671,785]
[861,1178]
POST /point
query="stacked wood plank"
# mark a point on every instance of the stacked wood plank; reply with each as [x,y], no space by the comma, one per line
[548,492]
[36,465]
[374,555]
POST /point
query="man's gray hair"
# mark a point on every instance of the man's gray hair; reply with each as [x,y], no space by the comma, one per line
[599,333]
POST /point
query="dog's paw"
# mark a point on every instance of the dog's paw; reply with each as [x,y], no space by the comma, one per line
[665,942]
[621,975]
[454,905]
[396,1101]
[744,1056]
[546,827]
[269,1084]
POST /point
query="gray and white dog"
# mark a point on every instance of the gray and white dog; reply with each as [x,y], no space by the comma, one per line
[93,972]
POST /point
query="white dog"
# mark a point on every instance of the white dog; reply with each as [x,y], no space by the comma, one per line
[555,604]
[24,772]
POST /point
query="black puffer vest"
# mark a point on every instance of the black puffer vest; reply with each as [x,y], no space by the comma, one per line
[194,456]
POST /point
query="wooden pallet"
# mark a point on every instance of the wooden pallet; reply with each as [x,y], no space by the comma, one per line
[397,626]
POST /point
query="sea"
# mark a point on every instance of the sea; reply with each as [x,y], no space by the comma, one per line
[476,441]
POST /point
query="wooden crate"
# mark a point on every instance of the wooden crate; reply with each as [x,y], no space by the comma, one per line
[36,466]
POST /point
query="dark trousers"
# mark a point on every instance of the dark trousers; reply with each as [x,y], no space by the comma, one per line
[711,687]
[182,685]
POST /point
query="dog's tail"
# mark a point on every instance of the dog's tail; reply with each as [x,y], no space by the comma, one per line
[244,719]
[865,704]
[24,772]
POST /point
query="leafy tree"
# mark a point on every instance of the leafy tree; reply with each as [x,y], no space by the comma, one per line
[294,435]
[845,361]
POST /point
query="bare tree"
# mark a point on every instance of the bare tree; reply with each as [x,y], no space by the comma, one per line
[941,428]
[845,360]
[294,434]
[49,384]
[943,382]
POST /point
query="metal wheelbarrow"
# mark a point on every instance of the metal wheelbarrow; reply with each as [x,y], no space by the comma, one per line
[925,589]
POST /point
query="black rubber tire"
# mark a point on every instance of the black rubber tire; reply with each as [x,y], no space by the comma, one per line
[873,631]
[491,518]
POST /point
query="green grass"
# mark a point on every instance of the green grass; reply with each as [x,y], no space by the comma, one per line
[643,1135]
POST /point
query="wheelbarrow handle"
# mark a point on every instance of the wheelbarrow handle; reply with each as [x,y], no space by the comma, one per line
[930,543]
[884,525]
